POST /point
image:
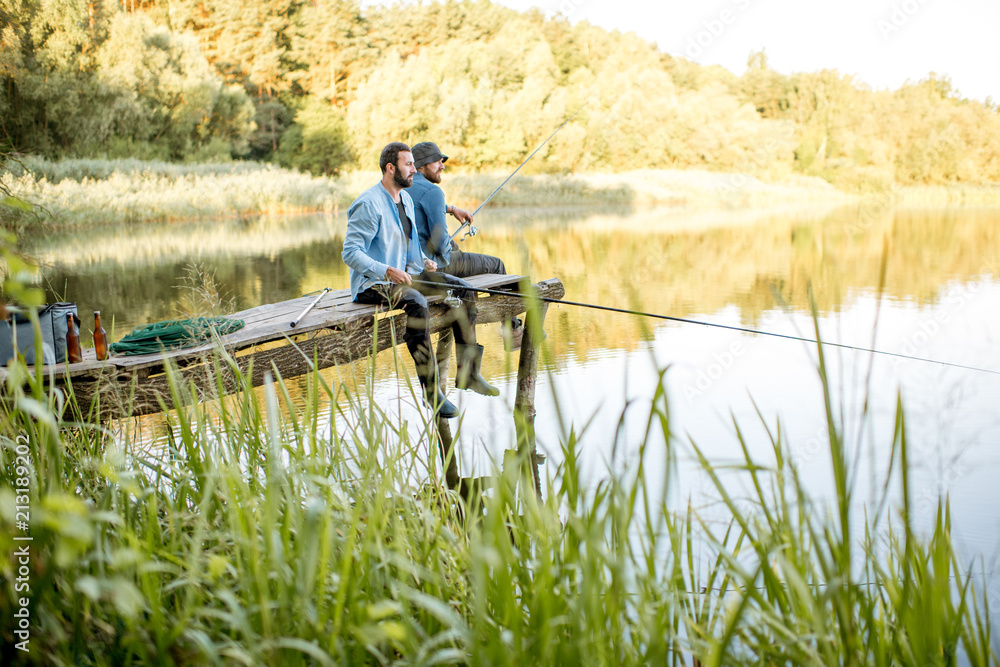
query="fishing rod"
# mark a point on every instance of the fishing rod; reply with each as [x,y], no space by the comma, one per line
[473,230]
[719,326]
[309,307]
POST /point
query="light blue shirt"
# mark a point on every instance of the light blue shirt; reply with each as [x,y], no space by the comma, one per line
[375,239]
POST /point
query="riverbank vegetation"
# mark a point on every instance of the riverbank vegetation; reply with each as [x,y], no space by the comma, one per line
[94,192]
[303,85]
[82,193]
[261,530]
[79,194]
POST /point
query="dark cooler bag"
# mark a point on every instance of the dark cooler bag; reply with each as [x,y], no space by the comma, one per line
[52,319]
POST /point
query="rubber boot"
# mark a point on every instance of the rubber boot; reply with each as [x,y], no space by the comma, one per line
[427,372]
[436,400]
[470,359]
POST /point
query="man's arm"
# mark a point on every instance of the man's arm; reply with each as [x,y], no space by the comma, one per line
[362,226]
[460,213]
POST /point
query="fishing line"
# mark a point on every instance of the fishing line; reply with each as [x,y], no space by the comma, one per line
[718,326]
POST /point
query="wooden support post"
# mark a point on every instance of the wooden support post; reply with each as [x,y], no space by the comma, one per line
[449,458]
[524,402]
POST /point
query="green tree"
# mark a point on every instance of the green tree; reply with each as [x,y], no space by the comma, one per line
[78,82]
[318,141]
[331,37]
[250,44]
[167,93]
[486,82]
[770,92]
[49,96]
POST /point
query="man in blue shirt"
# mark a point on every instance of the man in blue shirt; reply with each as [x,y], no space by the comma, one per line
[432,226]
[387,266]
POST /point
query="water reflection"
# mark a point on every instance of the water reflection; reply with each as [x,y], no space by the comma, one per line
[759,269]
[665,261]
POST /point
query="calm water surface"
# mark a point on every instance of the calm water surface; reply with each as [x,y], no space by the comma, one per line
[940,300]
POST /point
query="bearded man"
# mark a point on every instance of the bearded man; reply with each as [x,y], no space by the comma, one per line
[432,227]
[387,266]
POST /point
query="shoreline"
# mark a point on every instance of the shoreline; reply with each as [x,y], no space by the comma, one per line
[73,194]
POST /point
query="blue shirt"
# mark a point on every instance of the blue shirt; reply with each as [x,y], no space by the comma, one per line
[432,226]
[375,239]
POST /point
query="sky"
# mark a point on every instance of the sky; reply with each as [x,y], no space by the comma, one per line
[883,42]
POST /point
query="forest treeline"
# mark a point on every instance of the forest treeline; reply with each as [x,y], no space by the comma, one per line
[323,85]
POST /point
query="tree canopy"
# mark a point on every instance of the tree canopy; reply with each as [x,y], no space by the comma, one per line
[323,85]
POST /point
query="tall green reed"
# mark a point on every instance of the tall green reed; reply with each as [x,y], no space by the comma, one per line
[265,530]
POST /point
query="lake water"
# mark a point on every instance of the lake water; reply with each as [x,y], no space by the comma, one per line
[939,300]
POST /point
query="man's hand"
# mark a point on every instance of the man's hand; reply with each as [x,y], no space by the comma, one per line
[397,277]
[430,265]
[461,214]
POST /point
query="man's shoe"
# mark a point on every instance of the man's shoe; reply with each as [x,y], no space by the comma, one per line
[438,402]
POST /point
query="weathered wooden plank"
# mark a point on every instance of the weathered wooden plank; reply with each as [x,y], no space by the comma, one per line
[133,390]
[343,297]
[289,310]
[272,323]
[295,305]
[217,374]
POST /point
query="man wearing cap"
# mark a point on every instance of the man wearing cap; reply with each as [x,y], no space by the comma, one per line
[430,207]
[432,225]
[387,266]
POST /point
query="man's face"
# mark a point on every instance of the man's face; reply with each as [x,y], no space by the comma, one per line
[403,174]
[433,171]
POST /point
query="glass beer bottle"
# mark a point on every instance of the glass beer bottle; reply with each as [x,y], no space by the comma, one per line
[100,338]
[73,354]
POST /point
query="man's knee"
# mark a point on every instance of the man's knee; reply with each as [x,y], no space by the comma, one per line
[487,264]
[413,302]
[473,264]
[498,266]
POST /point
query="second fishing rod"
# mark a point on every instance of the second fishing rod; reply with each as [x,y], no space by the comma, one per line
[473,230]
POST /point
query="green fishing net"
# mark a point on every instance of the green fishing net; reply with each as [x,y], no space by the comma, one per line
[174,334]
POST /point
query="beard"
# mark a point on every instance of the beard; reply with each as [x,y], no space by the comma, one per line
[398,179]
[434,177]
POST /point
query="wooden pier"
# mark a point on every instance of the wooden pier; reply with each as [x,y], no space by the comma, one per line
[336,331]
